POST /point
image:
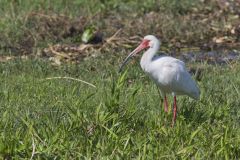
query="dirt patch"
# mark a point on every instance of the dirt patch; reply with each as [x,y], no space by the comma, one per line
[205,28]
[55,27]
[75,53]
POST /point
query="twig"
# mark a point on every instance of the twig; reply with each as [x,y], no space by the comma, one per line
[113,36]
[58,53]
[33,148]
[110,39]
[75,79]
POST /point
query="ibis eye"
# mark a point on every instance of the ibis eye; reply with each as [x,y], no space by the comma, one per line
[145,43]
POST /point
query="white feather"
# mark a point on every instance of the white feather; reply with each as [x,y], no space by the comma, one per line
[169,73]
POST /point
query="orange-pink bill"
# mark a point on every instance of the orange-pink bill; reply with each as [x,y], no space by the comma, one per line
[144,44]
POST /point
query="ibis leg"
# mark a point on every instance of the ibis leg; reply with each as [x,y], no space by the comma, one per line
[165,104]
[174,111]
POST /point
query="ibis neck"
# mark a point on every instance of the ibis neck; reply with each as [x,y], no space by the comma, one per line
[147,57]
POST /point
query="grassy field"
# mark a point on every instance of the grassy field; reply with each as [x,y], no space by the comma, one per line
[122,117]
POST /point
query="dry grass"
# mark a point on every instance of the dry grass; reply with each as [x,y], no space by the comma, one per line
[207,25]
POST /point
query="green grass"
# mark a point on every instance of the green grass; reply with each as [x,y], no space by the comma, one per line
[121,119]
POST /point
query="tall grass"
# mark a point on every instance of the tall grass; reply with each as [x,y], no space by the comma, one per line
[123,118]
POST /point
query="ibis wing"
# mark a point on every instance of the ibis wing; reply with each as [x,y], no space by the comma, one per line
[171,76]
[184,84]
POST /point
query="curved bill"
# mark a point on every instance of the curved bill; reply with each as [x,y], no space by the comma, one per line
[138,49]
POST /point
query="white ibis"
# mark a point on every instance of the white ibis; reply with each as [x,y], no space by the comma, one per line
[169,73]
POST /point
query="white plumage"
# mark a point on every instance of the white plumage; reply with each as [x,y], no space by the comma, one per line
[169,73]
